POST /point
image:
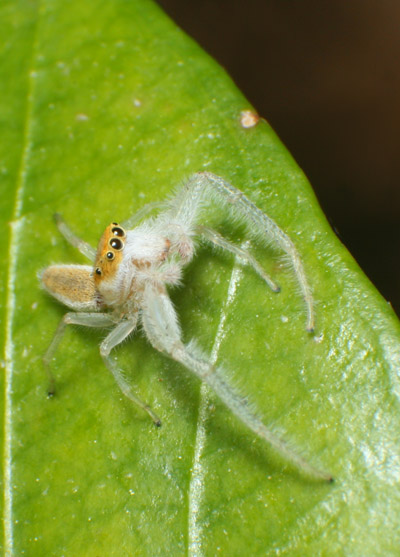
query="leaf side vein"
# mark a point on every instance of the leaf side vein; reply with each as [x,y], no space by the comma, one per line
[197,479]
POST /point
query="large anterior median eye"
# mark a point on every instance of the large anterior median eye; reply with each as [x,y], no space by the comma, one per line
[116,243]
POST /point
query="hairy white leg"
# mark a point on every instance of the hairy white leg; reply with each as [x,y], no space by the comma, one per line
[185,207]
[86,249]
[215,238]
[115,337]
[71,318]
[139,215]
[162,328]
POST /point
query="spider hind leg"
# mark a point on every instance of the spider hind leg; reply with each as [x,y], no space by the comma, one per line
[185,210]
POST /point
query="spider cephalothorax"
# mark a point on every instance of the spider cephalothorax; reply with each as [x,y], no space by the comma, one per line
[109,253]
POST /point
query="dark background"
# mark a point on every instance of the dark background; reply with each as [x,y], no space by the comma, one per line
[326,76]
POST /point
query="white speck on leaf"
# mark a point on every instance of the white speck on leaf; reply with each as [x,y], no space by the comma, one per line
[249,119]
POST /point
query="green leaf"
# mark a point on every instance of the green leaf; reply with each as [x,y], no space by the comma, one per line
[105,107]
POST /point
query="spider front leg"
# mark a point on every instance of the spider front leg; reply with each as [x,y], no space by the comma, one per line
[161,325]
[86,249]
[71,318]
[115,337]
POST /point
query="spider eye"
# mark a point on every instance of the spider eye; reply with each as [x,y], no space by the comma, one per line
[116,243]
[118,231]
[98,271]
[110,256]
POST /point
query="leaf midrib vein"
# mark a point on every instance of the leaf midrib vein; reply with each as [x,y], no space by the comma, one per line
[13,252]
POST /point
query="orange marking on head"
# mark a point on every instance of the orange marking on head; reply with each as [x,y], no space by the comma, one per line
[109,253]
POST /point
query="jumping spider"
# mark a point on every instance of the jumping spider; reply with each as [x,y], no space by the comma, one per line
[133,266]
